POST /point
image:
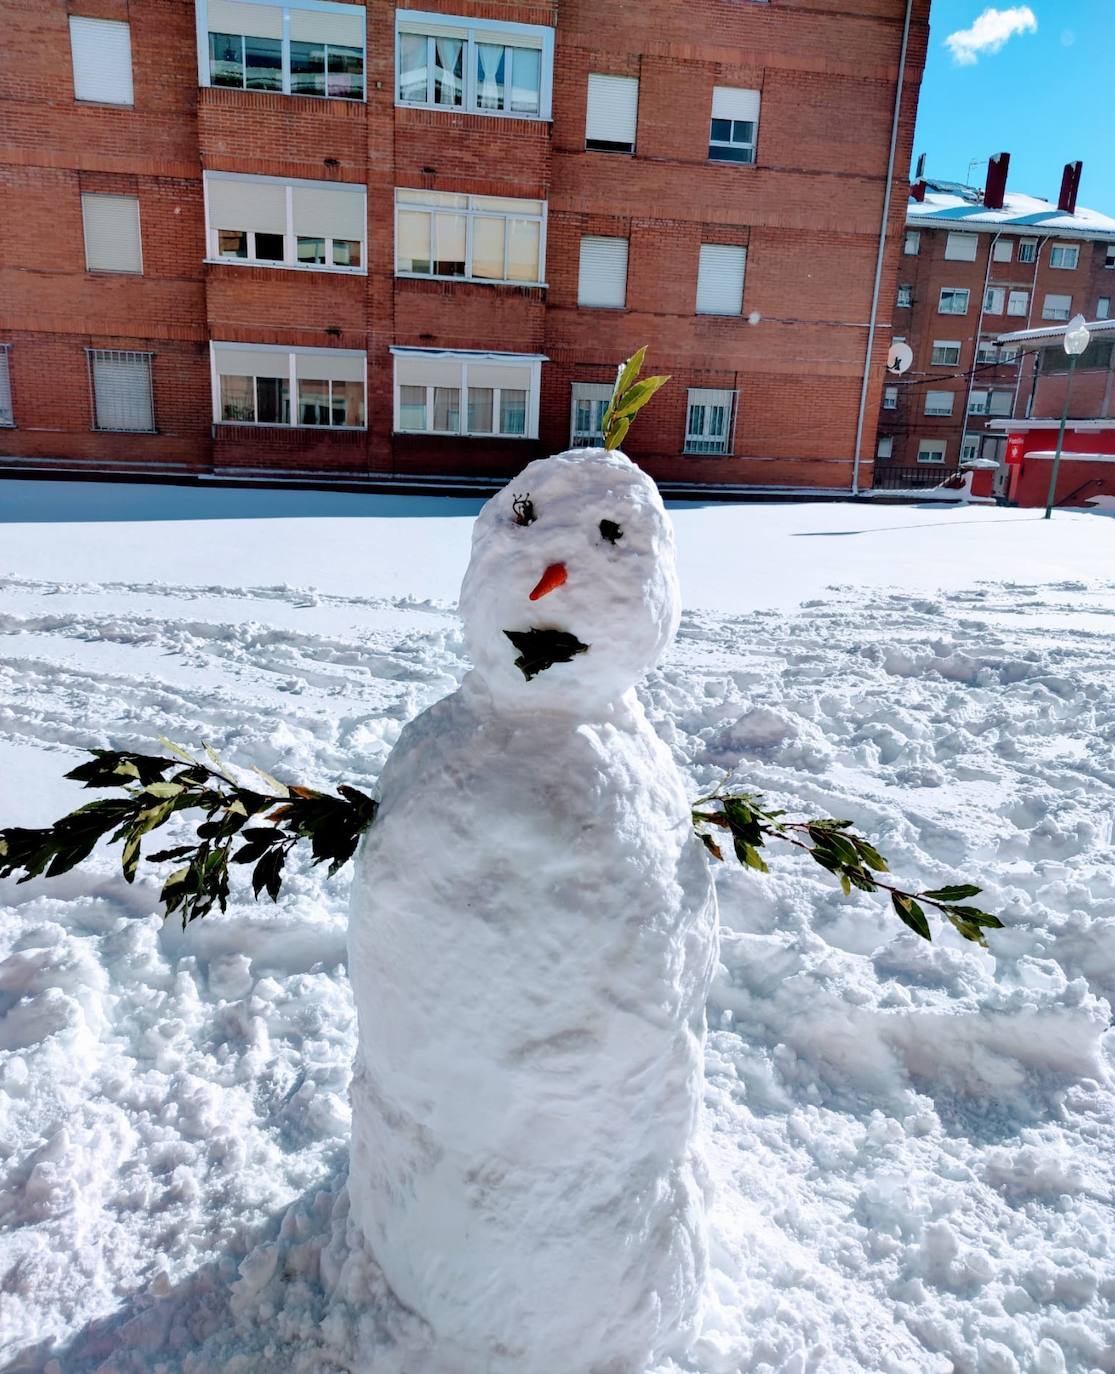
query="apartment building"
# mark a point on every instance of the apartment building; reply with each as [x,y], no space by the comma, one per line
[975,264]
[359,242]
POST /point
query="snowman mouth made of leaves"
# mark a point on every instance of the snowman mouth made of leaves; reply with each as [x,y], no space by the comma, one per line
[526,1161]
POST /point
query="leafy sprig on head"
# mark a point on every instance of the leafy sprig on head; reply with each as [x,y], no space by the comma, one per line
[156,788]
[628,397]
[838,849]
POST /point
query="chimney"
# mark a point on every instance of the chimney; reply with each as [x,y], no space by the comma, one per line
[917,191]
[1070,187]
[995,187]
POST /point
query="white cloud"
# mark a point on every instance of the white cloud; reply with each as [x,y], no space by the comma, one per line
[990,32]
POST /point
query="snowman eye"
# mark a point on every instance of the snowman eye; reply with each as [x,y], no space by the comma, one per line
[523,508]
[610,531]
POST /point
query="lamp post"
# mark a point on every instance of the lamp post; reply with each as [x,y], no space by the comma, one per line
[1076,341]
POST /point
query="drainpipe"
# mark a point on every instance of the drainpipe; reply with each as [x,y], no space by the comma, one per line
[882,245]
[975,348]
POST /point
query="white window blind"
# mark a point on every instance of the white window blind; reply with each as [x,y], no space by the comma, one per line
[977,403]
[890,398]
[255,21]
[1056,307]
[720,279]
[317,26]
[251,362]
[101,50]
[1001,403]
[961,247]
[121,383]
[732,102]
[912,243]
[613,109]
[1103,307]
[603,272]
[931,451]
[1003,250]
[112,241]
[254,205]
[255,220]
[467,393]
[994,299]
[938,403]
[885,447]
[946,353]
[1018,302]
[7,416]
[322,212]
[590,400]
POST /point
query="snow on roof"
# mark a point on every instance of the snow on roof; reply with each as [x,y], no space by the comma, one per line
[1053,334]
[962,206]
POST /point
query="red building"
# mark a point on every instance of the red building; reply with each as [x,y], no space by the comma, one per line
[977,263]
[349,241]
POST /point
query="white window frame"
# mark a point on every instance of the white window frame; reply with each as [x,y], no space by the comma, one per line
[939,345]
[935,406]
[119,354]
[1103,308]
[86,198]
[7,412]
[932,451]
[697,444]
[730,143]
[1005,405]
[293,354]
[610,145]
[905,296]
[978,401]
[75,23]
[884,446]
[1063,251]
[475,209]
[1018,302]
[290,238]
[890,398]
[596,305]
[464,357]
[1052,312]
[350,11]
[1027,250]
[965,242]
[969,448]
[953,291]
[1109,255]
[706,266]
[994,300]
[987,351]
[1003,250]
[597,395]
[1008,353]
[471,32]
[911,245]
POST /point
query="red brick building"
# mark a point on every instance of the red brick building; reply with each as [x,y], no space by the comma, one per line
[361,242]
[978,263]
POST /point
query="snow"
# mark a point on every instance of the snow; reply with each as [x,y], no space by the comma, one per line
[1019,211]
[909,1143]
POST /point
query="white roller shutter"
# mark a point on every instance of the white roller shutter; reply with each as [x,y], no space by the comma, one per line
[7,416]
[316,26]
[255,21]
[252,362]
[121,390]
[732,102]
[333,366]
[418,371]
[720,279]
[961,247]
[257,205]
[101,50]
[112,242]
[603,274]
[321,212]
[613,109]
[492,374]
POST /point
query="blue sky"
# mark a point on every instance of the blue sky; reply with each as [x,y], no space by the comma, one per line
[1046,97]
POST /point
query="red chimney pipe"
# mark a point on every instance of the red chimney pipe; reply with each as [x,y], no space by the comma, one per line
[995,187]
[1070,187]
[917,190]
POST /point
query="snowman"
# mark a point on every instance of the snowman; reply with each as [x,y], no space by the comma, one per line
[532,935]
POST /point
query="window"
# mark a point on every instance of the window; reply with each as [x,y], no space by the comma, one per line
[590,401]
[315,48]
[1008,353]
[931,450]
[720,279]
[954,301]
[7,417]
[1103,307]
[1018,303]
[890,398]
[961,247]
[111,226]
[1027,250]
[603,272]
[481,66]
[101,51]
[1003,250]
[1096,356]
[987,351]
[1109,256]
[735,122]
[266,384]
[438,391]
[994,299]
[1056,307]
[612,113]
[969,448]
[121,387]
[708,421]
[912,245]
[1065,255]
[885,447]
[478,238]
[938,403]
[266,221]
[1000,403]
[905,295]
[977,403]
[946,353]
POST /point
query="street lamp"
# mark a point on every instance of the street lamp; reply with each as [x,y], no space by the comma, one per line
[1076,341]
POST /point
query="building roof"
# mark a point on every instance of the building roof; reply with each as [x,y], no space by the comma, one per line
[1054,334]
[950,204]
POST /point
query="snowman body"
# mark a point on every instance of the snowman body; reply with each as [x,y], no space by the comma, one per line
[532,936]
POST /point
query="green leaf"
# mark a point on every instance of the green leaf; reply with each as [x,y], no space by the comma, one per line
[632,401]
[749,856]
[953,894]
[616,433]
[911,914]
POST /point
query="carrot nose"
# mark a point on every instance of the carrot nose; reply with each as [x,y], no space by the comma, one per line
[552,578]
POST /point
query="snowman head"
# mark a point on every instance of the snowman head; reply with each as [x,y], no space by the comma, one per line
[571,594]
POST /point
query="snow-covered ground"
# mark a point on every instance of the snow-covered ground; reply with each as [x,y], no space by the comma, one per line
[911,1143]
